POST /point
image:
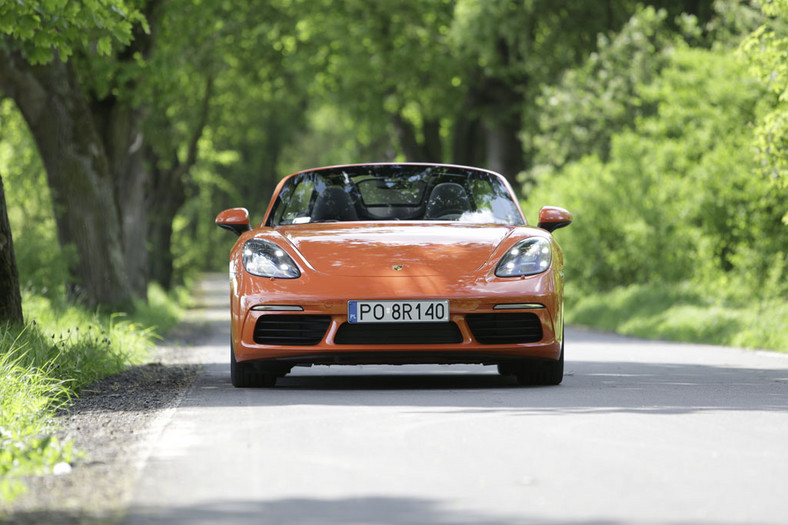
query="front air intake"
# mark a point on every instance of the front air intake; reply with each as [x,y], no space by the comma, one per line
[291,330]
[505,328]
[398,334]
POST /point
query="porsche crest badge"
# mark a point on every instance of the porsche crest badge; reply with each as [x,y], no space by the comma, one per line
[397,267]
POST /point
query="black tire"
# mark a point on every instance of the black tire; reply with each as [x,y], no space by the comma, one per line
[545,372]
[508,369]
[245,375]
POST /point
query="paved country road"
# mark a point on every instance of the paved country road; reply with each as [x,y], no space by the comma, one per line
[639,432]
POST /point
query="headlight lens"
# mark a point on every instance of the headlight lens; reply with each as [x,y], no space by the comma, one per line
[527,257]
[266,259]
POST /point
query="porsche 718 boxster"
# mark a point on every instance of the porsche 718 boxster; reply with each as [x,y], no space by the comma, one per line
[395,264]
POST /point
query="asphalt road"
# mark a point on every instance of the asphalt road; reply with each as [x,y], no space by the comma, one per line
[639,432]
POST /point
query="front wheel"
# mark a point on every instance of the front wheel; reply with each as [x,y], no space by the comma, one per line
[245,375]
[542,373]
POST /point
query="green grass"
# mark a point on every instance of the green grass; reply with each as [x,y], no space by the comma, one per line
[45,363]
[681,313]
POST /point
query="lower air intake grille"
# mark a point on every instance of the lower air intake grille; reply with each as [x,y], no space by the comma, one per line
[505,328]
[398,334]
[291,330]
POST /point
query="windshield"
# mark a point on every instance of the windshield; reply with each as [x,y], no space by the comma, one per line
[391,192]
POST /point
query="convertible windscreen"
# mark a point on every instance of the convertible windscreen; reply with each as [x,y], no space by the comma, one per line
[395,192]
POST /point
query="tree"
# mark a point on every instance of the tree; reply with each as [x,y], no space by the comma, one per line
[577,115]
[46,88]
[767,52]
[389,66]
[10,298]
[109,83]
[513,48]
[176,94]
[136,94]
[53,104]
[230,91]
[449,80]
[675,199]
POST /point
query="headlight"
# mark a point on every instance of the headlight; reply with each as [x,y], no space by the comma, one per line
[266,259]
[527,257]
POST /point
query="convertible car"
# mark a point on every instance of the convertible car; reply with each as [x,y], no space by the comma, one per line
[395,264]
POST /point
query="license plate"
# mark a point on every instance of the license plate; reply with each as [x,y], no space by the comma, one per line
[398,311]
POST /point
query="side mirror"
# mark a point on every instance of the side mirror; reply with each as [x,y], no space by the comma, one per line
[552,217]
[235,219]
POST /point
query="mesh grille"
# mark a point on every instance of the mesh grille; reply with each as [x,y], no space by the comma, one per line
[291,330]
[398,333]
[505,328]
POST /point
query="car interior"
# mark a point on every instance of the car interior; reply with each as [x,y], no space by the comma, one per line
[345,196]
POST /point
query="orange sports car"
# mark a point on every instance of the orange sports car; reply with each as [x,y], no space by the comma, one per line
[395,264]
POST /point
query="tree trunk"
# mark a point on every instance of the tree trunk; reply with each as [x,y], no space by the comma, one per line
[433,146]
[468,146]
[406,136]
[504,150]
[167,195]
[56,110]
[10,298]
[499,106]
[119,127]
[430,150]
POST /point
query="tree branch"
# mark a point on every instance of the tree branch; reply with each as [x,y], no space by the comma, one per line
[21,85]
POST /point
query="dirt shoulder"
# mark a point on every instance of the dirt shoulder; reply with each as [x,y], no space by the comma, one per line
[112,425]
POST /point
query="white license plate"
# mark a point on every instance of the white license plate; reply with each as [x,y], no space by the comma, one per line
[398,311]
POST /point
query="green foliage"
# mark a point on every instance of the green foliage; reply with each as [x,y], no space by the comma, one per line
[80,345]
[41,370]
[732,20]
[767,52]
[682,312]
[678,198]
[330,138]
[648,141]
[163,309]
[380,60]
[240,60]
[195,221]
[578,115]
[28,397]
[38,28]
[522,42]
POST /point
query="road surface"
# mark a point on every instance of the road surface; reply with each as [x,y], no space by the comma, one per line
[639,432]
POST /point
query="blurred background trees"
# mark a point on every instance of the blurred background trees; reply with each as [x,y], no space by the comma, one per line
[126,126]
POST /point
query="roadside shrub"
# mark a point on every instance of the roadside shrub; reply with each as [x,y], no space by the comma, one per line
[682,312]
[680,198]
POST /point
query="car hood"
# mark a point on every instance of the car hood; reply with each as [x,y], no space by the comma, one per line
[401,249]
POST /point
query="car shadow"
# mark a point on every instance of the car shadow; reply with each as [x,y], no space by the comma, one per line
[387,510]
[588,387]
[368,510]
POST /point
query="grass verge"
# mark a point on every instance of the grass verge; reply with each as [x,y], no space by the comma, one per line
[682,313]
[45,363]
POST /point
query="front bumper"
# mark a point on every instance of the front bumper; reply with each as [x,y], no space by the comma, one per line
[467,297]
[465,347]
